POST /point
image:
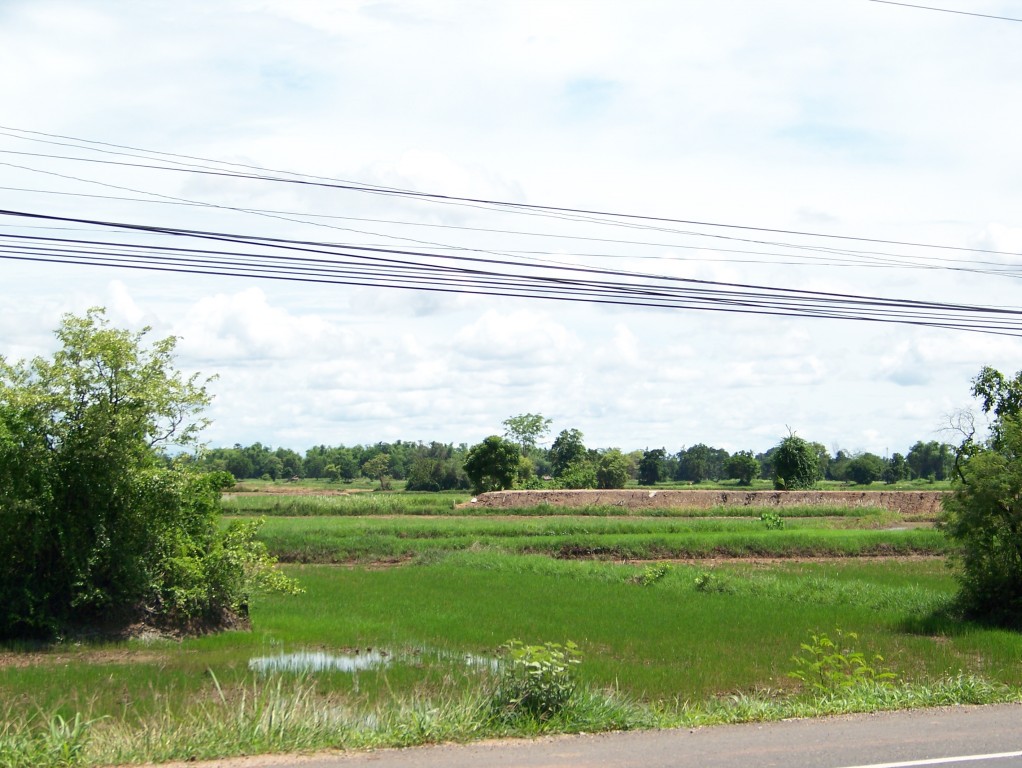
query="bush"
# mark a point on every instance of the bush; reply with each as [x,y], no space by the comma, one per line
[796,465]
[612,470]
[98,529]
[580,474]
[829,665]
[537,682]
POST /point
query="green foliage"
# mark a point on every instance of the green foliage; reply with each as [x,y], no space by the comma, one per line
[56,741]
[930,460]
[984,518]
[96,527]
[866,469]
[526,429]
[612,469]
[701,462]
[651,466]
[653,573]
[984,514]
[772,521]
[712,582]
[580,474]
[567,449]
[796,464]
[493,464]
[377,468]
[832,665]
[743,467]
[537,681]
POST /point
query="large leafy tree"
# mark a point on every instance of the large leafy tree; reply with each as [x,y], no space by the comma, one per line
[568,449]
[651,465]
[984,514]
[796,464]
[526,429]
[95,527]
[743,467]
[493,464]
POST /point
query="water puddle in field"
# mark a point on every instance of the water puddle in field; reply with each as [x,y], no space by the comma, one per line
[318,661]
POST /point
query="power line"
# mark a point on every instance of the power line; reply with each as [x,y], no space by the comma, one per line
[585,215]
[345,264]
[947,10]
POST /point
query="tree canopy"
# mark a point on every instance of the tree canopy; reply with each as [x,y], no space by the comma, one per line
[796,464]
[984,514]
[492,465]
[96,527]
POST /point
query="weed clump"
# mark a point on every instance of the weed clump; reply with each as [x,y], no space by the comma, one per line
[537,682]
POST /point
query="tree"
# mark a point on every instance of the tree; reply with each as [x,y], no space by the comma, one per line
[650,465]
[701,462]
[866,468]
[566,450]
[932,460]
[983,516]
[526,429]
[796,464]
[377,469]
[580,474]
[613,469]
[492,465]
[96,526]
[743,467]
[897,469]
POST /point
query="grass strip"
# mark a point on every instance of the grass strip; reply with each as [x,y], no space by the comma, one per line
[342,540]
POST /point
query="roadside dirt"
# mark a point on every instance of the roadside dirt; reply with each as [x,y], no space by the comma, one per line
[911,504]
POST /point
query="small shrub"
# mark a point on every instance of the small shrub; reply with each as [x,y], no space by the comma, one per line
[537,681]
[772,521]
[708,581]
[830,666]
[653,573]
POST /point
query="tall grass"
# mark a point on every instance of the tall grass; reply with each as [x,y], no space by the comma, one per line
[355,504]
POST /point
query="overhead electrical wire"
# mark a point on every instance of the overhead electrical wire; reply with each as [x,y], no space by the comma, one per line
[319,262]
[840,257]
[947,10]
[585,215]
[447,267]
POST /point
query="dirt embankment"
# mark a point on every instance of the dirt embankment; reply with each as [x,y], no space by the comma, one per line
[908,503]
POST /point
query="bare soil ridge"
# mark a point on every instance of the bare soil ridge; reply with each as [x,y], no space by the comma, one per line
[908,503]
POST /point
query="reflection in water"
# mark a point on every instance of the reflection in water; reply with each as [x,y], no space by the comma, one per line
[320,661]
[317,661]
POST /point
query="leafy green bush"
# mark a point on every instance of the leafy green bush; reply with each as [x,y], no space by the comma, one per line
[97,529]
[796,465]
[580,474]
[537,681]
[829,666]
[983,516]
[612,470]
[653,573]
[772,521]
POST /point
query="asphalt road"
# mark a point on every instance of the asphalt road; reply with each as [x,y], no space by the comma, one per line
[976,737]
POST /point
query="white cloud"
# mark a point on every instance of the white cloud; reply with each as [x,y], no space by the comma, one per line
[783,117]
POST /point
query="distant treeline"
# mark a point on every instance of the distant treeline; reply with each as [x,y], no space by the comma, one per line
[438,466]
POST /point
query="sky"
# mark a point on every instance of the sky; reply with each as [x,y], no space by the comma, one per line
[849,118]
